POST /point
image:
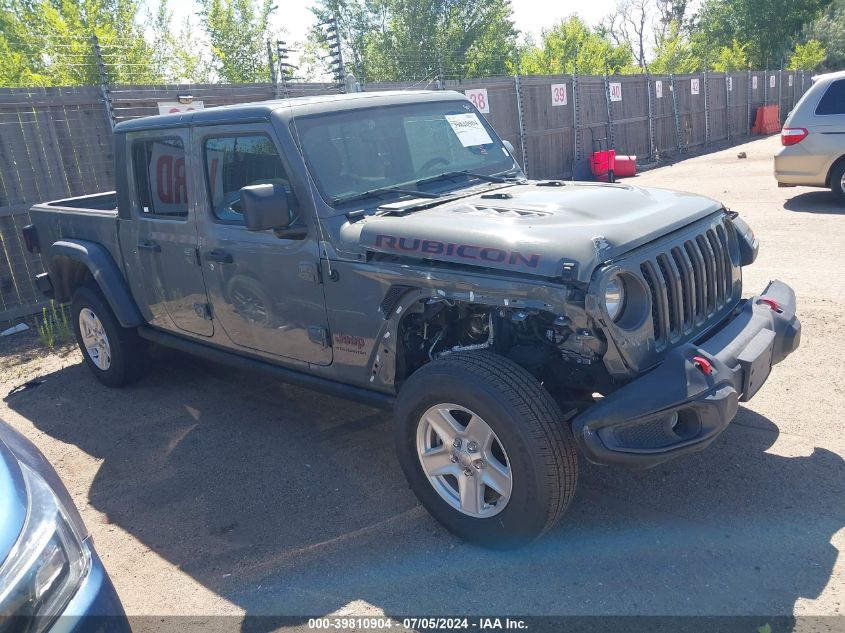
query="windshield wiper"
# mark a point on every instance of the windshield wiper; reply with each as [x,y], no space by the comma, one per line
[382,191]
[451,175]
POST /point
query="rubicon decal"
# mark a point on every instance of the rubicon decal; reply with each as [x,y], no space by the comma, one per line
[463,251]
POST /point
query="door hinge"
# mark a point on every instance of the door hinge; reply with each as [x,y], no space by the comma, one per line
[203,311]
[318,335]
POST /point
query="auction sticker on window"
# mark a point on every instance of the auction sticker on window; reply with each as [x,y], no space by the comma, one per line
[469,129]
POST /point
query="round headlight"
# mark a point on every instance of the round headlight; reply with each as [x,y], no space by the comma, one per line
[614,297]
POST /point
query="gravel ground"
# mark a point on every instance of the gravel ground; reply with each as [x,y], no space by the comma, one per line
[211,491]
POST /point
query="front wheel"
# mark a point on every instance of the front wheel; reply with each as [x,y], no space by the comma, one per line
[116,355]
[485,449]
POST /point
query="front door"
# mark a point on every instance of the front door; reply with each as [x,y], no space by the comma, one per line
[164,264]
[266,292]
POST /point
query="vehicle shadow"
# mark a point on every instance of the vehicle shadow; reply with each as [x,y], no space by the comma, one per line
[284,501]
[823,202]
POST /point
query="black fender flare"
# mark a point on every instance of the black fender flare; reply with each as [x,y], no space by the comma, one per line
[99,262]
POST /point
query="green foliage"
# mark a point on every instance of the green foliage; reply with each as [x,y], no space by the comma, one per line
[48,42]
[570,44]
[829,30]
[674,53]
[53,328]
[769,27]
[238,31]
[732,58]
[808,56]
[393,40]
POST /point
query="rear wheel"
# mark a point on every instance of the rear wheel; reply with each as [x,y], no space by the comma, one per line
[484,448]
[116,355]
[837,181]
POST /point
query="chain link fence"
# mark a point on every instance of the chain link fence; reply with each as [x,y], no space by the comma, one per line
[57,142]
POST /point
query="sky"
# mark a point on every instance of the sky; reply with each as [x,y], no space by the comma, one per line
[530,16]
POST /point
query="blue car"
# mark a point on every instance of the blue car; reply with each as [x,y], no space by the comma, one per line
[51,579]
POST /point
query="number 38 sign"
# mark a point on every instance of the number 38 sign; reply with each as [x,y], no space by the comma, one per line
[478,96]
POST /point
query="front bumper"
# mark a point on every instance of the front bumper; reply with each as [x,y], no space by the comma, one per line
[678,407]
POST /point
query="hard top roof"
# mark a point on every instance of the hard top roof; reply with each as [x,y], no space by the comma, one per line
[300,106]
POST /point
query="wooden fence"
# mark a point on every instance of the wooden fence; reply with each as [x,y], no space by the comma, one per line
[57,142]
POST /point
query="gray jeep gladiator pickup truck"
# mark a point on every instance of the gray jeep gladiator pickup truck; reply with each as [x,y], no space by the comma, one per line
[387,248]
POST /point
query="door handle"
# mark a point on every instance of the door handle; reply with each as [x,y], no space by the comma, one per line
[150,245]
[219,255]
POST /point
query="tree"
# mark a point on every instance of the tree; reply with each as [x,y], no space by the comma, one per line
[674,54]
[398,40]
[829,30]
[570,44]
[770,27]
[238,31]
[807,56]
[732,58]
[48,42]
[630,24]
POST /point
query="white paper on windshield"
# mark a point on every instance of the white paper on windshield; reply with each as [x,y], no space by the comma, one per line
[468,128]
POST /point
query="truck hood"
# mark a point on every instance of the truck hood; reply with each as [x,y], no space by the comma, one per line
[542,229]
[12,500]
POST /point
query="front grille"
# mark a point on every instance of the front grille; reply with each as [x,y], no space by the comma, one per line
[689,283]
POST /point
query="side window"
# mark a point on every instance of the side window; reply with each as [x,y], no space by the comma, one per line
[233,162]
[833,101]
[159,167]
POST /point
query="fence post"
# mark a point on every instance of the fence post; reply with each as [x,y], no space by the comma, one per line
[707,131]
[748,107]
[676,114]
[105,91]
[611,141]
[651,140]
[521,118]
[780,95]
[272,66]
[729,84]
[576,113]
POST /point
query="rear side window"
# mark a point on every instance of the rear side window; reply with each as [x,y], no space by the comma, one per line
[833,101]
[233,162]
[160,177]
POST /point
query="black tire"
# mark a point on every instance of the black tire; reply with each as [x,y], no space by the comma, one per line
[529,426]
[837,184]
[128,350]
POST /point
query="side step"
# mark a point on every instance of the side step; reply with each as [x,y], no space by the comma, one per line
[316,383]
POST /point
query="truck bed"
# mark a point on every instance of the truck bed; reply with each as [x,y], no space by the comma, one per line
[92,218]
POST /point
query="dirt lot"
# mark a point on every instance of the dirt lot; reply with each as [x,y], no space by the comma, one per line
[211,491]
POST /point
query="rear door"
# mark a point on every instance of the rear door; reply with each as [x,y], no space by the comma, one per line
[164,264]
[265,291]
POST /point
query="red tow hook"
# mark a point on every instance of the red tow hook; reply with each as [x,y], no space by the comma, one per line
[774,305]
[703,365]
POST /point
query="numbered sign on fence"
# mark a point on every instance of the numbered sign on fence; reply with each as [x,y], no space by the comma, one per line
[754,82]
[772,81]
[615,90]
[694,85]
[790,81]
[730,84]
[478,96]
[558,94]
[171,107]
[658,89]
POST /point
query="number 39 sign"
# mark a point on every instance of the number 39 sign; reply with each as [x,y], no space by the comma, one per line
[478,96]
[558,94]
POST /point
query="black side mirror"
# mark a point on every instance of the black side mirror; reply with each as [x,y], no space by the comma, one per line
[265,207]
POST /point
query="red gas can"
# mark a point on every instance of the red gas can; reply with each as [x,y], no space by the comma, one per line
[602,163]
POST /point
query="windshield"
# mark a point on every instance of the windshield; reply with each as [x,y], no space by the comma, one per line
[351,153]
